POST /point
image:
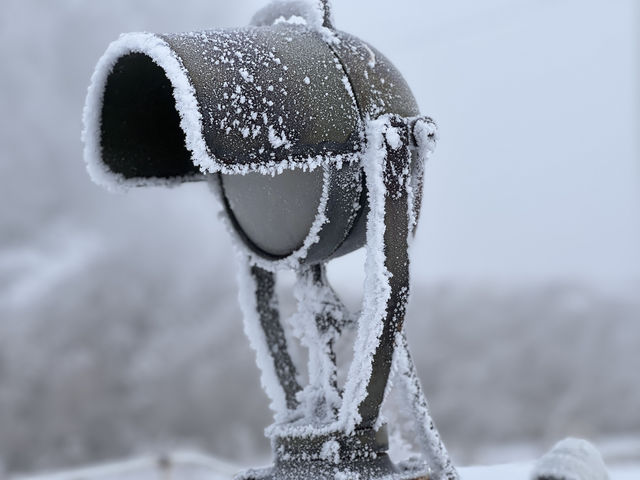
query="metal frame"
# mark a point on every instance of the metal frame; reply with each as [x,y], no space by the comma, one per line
[363,452]
[359,84]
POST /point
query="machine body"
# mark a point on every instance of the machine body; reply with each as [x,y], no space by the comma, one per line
[315,146]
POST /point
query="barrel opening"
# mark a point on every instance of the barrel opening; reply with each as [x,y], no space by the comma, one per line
[140,128]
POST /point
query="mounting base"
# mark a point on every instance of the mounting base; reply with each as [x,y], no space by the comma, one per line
[335,456]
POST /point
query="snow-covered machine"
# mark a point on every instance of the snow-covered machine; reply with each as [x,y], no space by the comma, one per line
[315,146]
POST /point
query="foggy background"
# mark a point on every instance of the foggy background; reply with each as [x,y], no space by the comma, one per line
[119,329]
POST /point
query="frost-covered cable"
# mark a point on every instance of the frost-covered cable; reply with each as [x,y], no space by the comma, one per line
[376,287]
[435,452]
[317,324]
[266,336]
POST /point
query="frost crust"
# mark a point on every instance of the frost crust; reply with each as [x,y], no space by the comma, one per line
[191,117]
[186,104]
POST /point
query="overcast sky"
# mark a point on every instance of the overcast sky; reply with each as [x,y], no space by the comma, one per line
[537,172]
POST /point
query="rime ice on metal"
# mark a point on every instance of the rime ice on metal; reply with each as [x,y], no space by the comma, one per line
[250,110]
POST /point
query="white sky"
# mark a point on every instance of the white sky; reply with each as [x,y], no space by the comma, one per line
[537,173]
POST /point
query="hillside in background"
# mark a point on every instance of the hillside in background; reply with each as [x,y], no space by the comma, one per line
[107,358]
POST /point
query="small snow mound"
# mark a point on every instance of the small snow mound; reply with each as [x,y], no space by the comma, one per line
[186,104]
[571,459]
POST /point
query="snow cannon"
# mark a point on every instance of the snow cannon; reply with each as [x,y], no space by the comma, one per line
[314,145]
[571,459]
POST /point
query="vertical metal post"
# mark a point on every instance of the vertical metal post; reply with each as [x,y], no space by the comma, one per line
[396,217]
[269,316]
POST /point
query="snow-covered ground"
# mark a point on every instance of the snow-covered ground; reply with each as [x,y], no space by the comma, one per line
[191,466]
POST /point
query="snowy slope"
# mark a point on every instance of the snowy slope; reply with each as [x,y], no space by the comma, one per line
[191,466]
